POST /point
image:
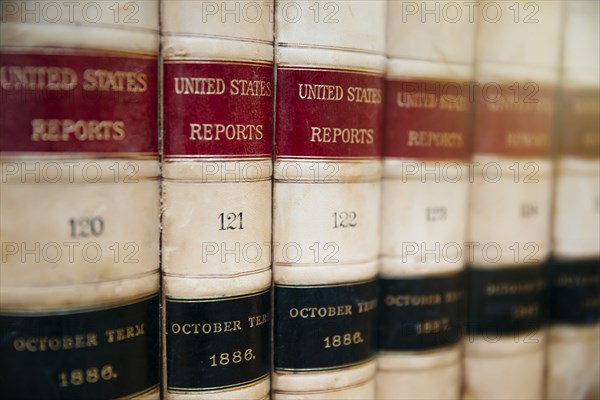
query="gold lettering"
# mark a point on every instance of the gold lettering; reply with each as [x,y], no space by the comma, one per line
[54,130]
[240,132]
[416,100]
[309,91]
[432,326]
[321,312]
[413,301]
[510,104]
[243,87]
[578,280]
[258,320]
[458,104]
[55,343]
[341,135]
[365,306]
[527,311]
[452,140]
[501,289]
[199,85]
[364,95]
[527,140]
[37,78]
[120,334]
[114,81]
[205,328]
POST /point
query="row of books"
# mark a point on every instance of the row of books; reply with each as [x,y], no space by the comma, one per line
[300,199]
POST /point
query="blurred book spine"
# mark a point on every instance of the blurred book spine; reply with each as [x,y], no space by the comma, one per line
[425,203]
[573,360]
[510,207]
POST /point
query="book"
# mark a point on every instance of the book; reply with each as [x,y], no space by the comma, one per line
[328,128]
[424,204]
[216,210]
[79,283]
[511,193]
[573,359]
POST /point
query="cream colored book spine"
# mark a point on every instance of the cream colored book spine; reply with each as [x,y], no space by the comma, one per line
[510,207]
[218,88]
[329,71]
[573,360]
[424,202]
[79,201]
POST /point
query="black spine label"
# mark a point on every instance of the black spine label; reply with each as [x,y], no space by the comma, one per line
[574,292]
[217,343]
[99,354]
[505,300]
[420,314]
[324,327]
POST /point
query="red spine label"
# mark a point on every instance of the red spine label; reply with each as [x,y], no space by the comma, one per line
[328,113]
[580,127]
[426,120]
[72,101]
[514,120]
[217,109]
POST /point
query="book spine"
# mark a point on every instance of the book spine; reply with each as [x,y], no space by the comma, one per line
[217,143]
[328,132]
[80,200]
[573,359]
[510,215]
[424,204]
[425,194]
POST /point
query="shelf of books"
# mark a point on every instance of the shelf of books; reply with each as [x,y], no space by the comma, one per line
[300,199]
